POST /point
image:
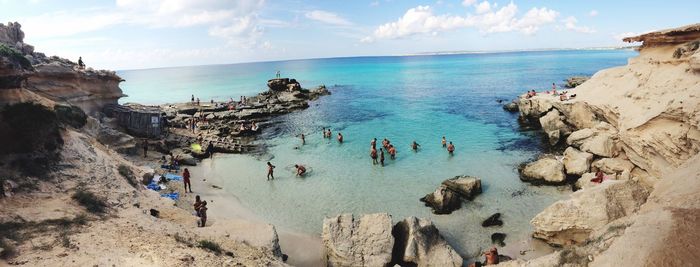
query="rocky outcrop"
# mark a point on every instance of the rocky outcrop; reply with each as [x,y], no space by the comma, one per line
[27,75]
[419,242]
[576,162]
[574,81]
[554,127]
[448,196]
[571,221]
[616,166]
[283,84]
[366,241]
[667,37]
[547,170]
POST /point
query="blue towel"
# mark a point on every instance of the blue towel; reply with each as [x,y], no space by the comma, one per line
[173,177]
[169,167]
[173,196]
[153,186]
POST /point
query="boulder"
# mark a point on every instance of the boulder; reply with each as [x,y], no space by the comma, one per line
[493,220]
[545,170]
[511,107]
[574,81]
[418,242]
[554,126]
[613,165]
[576,162]
[367,241]
[585,181]
[571,221]
[187,159]
[533,107]
[576,138]
[499,239]
[601,144]
[466,186]
[443,200]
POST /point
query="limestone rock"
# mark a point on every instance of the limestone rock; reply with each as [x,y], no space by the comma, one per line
[418,241]
[585,181]
[576,162]
[533,107]
[600,144]
[572,220]
[554,126]
[613,165]
[511,107]
[466,186]
[367,241]
[187,160]
[545,170]
[574,81]
[576,138]
[443,200]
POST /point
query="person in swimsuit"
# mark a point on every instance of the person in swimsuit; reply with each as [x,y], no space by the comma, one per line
[444,142]
[392,151]
[323,131]
[381,156]
[300,170]
[373,154]
[203,214]
[270,171]
[303,139]
[186,179]
[414,145]
[329,134]
[340,137]
[451,148]
[599,175]
[197,204]
[373,143]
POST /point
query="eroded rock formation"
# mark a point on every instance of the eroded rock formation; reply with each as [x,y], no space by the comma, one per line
[363,241]
[419,242]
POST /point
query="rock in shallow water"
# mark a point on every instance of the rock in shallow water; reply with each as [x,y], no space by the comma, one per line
[545,170]
[443,200]
[493,220]
[499,239]
[466,186]
[366,241]
[420,243]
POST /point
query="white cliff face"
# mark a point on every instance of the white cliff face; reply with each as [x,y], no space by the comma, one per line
[363,241]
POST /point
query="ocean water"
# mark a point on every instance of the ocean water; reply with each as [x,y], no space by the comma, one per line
[409,98]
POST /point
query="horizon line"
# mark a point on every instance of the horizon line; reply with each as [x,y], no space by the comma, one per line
[416,54]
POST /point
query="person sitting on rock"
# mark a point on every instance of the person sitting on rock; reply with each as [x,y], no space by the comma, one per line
[301,170]
[451,148]
[599,175]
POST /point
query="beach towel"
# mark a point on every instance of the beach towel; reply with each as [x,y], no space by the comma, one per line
[173,196]
[153,186]
[173,177]
[169,167]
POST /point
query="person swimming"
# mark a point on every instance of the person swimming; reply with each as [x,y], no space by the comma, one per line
[451,148]
[301,170]
[415,145]
[340,138]
[373,154]
[444,142]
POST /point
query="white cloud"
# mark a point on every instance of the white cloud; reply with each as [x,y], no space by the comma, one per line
[422,20]
[593,13]
[468,2]
[327,17]
[570,24]
[375,3]
[483,7]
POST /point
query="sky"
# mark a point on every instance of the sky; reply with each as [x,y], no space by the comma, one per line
[136,34]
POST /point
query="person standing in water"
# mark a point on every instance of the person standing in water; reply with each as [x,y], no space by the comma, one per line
[340,138]
[186,179]
[451,148]
[392,151]
[444,142]
[373,143]
[270,171]
[373,154]
[301,170]
[303,139]
[415,146]
[381,156]
[323,131]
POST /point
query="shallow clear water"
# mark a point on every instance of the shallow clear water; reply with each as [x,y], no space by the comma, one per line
[418,98]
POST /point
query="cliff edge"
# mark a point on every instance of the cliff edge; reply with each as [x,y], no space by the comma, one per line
[27,75]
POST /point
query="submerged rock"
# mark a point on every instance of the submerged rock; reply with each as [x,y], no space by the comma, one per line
[366,241]
[493,220]
[419,242]
[571,221]
[443,200]
[499,239]
[545,170]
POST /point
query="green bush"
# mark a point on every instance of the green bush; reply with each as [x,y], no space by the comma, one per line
[209,245]
[71,115]
[15,56]
[29,127]
[90,201]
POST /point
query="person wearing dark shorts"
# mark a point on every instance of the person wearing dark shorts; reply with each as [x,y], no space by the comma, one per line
[186,179]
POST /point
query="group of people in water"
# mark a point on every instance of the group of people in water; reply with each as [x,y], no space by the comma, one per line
[562,96]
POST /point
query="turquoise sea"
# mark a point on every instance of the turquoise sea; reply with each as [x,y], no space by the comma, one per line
[401,98]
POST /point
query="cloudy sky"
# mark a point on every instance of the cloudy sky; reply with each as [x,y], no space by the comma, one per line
[129,34]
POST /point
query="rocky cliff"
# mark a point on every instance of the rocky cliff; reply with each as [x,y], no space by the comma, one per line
[640,125]
[29,75]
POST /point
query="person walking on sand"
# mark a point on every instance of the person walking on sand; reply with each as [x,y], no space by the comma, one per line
[144,145]
[203,214]
[340,138]
[270,171]
[381,156]
[415,146]
[186,179]
[373,154]
[197,204]
[301,170]
[444,142]
[451,148]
